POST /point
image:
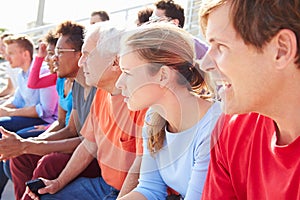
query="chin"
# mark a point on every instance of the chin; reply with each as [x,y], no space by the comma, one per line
[133,107]
[89,83]
[234,109]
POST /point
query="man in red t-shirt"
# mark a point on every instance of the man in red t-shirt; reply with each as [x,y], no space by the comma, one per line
[254,61]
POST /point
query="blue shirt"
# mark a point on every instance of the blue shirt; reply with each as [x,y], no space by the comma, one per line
[182,163]
[44,99]
[64,102]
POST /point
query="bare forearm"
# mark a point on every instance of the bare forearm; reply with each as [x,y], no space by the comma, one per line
[64,133]
[80,159]
[46,147]
[133,195]
[55,126]
[23,112]
[132,177]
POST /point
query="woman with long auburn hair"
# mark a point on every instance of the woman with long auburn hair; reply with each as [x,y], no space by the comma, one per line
[158,71]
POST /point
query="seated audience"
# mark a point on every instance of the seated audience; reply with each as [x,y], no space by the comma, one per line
[11,74]
[111,131]
[48,154]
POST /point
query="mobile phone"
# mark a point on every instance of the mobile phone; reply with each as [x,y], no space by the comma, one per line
[35,185]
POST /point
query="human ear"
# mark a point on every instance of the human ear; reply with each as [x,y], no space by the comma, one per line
[164,76]
[175,21]
[116,65]
[286,45]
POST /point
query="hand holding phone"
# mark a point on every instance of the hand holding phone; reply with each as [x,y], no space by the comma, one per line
[35,185]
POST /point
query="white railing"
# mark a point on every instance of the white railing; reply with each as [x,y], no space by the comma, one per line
[127,16]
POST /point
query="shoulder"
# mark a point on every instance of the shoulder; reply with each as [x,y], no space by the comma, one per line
[232,130]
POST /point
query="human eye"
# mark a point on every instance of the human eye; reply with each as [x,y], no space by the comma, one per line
[50,53]
[126,73]
[221,47]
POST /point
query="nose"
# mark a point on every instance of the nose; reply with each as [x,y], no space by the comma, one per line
[207,64]
[82,61]
[54,58]
[47,58]
[120,82]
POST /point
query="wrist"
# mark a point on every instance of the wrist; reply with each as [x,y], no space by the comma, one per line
[26,146]
[31,146]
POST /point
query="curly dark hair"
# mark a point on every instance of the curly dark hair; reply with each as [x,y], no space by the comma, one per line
[51,38]
[75,32]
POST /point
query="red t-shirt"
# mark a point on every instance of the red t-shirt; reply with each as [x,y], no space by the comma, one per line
[246,163]
[117,132]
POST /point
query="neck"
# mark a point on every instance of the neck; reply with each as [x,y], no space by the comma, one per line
[25,67]
[109,85]
[181,110]
[288,124]
[283,109]
[111,88]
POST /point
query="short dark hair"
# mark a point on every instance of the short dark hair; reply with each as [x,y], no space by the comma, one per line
[144,15]
[75,32]
[102,14]
[172,10]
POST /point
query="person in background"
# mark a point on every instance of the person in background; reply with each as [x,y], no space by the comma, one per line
[99,16]
[169,11]
[63,84]
[160,58]
[28,107]
[11,74]
[45,52]
[254,60]
[144,15]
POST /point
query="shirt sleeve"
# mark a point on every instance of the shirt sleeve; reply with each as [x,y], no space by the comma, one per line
[199,171]
[48,102]
[36,81]
[87,130]
[18,100]
[150,184]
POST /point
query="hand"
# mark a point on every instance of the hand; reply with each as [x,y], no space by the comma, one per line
[42,52]
[11,144]
[52,186]
[30,194]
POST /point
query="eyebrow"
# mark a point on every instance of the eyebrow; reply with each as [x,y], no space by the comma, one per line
[212,40]
[217,40]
